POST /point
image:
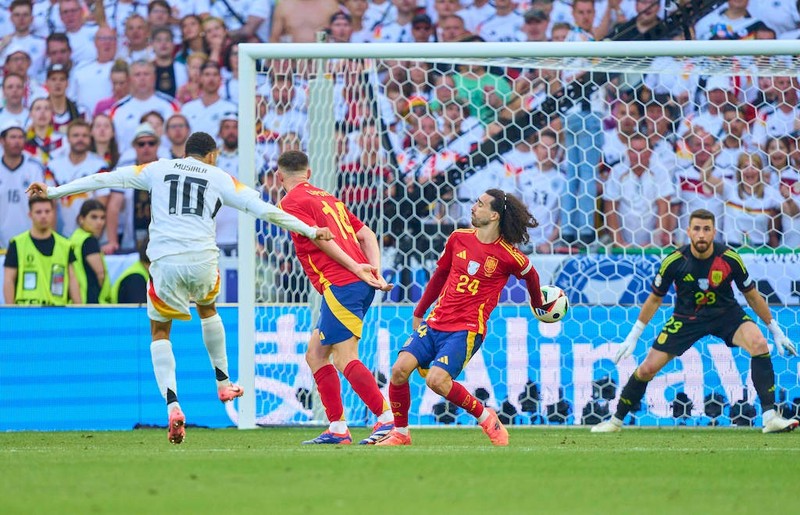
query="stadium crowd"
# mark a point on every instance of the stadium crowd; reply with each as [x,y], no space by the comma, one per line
[88,86]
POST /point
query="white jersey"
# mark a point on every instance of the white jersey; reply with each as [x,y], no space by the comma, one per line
[541,192]
[228,218]
[748,219]
[206,118]
[92,83]
[692,196]
[61,170]
[507,28]
[635,196]
[774,125]
[129,110]
[13,199]
[82,45]
[185,197]
[376,15]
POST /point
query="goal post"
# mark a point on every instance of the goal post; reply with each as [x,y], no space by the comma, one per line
[533,373]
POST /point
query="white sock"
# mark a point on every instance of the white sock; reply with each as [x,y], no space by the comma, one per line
[483,416]
[338,427]
[214,340]
[402,430]
[768,415]
[164,367]
[386,417]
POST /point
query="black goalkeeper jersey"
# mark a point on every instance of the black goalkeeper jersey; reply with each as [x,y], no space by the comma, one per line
[703,286]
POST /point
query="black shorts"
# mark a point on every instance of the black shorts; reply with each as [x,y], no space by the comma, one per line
[680,332]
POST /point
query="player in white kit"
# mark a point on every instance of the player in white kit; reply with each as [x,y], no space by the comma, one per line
[186,195]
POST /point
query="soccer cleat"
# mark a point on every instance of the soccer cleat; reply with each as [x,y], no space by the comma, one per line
[331,439]
[394,438]
[494,429]
[778,424]
[229,392]
[379,431]
[611,425]
[177,426]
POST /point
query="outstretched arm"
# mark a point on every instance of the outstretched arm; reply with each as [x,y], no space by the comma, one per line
[125,177]
[273,214]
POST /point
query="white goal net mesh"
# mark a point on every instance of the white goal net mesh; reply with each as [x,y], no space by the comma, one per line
[609,154]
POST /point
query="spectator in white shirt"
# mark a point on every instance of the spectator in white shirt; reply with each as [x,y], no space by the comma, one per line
[782,121]
[399,30]
[504,25]
[136,46]
[93,80]
[81,36]
[22,19]
[204,114]
[13,93]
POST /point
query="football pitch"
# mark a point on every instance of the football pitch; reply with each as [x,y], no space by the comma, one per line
[457,471]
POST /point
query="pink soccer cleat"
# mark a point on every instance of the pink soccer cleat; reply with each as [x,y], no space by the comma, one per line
[494,429]
[395,438]
[177,426]
[229,392]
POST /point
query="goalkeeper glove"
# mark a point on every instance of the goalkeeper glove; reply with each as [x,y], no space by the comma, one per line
[627,347]
[781,341]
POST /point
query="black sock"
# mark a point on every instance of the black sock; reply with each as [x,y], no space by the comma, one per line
[631,395]
[763,380]
[171,397]
[221,376]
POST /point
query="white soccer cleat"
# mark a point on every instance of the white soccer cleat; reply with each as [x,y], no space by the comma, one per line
[778,424]
[611,425]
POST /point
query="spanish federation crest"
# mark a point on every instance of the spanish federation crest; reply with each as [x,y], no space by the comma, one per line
[716,277]
[703,283]
[490,265]
[472,267]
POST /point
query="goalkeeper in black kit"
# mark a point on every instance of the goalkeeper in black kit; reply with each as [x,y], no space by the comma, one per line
[703,272]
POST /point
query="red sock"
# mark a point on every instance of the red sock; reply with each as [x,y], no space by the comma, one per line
[400,397]
[462,398]
[363,382]
[330,392]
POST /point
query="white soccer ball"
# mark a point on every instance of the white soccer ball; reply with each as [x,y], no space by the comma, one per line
[555,306]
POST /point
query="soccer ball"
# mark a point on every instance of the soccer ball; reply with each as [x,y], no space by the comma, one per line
[555,306]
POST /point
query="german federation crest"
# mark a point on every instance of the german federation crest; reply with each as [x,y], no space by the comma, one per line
[703,283]
[472,267]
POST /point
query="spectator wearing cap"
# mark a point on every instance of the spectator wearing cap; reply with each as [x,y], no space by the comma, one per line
[535,24]
[204,114]
[59,51]
[399,30]
[177,132]
[65,110]
[228,159]
[504,25]
[13,94]
[357,10]
[18,62]
[474,15]
[340,28]
[128,211]
[22,37]
[143,98]
[93,80]
[298,21]
[170,75]
[136,43]
[81,36]
[17,171]
[452,29]
[422,29]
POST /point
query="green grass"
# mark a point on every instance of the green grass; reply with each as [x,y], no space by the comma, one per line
[446,471]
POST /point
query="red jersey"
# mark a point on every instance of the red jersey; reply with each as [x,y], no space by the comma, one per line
[319,208]
[476,274]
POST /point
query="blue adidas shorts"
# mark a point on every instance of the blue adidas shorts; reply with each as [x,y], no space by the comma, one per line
[448,350]
[343,311]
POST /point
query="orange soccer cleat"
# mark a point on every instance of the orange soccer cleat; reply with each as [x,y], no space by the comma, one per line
[395,438]
[494,429]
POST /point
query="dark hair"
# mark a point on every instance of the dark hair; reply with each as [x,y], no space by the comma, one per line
[227,55]
[703,214]
[293,161]
[160,30]
[17,3]
[209,64]
[36,200]
[515,219]
[158,3]
[113,147]
[9,75]
[88,206]
[57,37]
[200,144]
[148,114]
[78,122]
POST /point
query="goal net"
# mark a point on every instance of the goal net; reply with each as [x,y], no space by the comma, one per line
[610,145]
